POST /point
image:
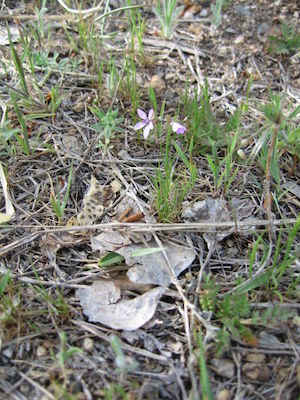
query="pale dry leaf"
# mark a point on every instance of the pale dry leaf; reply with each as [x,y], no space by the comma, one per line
[100,304]
[109,241]
[15,35]
[218,210]
[101,292]
[9,208]
[153,268]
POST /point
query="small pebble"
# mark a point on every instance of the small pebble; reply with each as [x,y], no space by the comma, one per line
[241,154]
[41,351]
[223,368]
[256,372]
[157,83]
[88,344]
[224,394]
[78,107]
[255,357]
[239,39]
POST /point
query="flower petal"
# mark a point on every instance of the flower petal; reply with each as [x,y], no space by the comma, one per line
[141,113]
[139,125]
[177,127]
[181,130]
[151,114]
[147,131]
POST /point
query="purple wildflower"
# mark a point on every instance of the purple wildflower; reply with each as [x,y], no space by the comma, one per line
[178,128]
[146,122]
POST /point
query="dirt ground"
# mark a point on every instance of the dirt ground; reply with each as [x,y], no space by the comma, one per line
[50,348]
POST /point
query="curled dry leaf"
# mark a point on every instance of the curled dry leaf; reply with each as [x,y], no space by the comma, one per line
[102,303]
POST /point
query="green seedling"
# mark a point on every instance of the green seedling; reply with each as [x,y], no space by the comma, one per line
[171,188]
[204,377]
[39,30]
[152,98]
[22,139]
[6,135]
[137,25]
[167,14]
[110,259]
[58,205]
[9,303]
[114,392]
[159,121]
[55,99]
[286,253]
[5,278]
[65,353]
[131,85]
[124,364]
[202,124]
[113,79]
[18,64]
[216,9]
[109,123]
[223,172]
[285,42]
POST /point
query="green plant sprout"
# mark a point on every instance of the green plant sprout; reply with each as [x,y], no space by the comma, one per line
[7,133]
[234,311]
[286,42]
[65,353]
[131,84]
[18,64]
[58,205]
[22,139]
[108,124]
[223,172]
[137,25]
[124,364]
[55,99]
[216,10]
[9,302]
[167,15]
[170,187]
[204,376]
[113,79]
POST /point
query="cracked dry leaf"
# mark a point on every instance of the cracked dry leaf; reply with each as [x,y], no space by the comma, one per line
[218,210]
[102,303]
[153,268]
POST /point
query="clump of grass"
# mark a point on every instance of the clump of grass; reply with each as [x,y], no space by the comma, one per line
[167,14]
[285,42]
[235,314]
[171,185]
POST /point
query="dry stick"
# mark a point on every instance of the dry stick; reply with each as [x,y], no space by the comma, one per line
[139,227]
[96,331]
[81,12]
[184,314]
[37,385]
